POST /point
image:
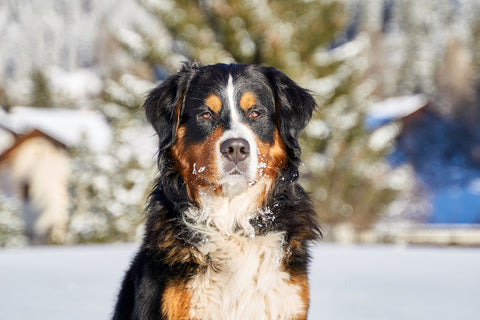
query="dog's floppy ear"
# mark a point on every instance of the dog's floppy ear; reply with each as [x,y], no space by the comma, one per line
[295,107]
[163,104]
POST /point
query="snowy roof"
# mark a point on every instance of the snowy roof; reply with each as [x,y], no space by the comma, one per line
[392,109]
[77,84]
[71,127]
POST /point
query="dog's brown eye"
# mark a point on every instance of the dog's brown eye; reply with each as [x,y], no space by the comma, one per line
[206,115]
[253,114]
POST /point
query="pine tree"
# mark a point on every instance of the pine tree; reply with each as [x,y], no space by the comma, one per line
[12,227]
[347,176]
[41,95]
[108,191]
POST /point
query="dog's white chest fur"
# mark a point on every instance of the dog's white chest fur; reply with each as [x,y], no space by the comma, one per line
[244,281]
[243,277]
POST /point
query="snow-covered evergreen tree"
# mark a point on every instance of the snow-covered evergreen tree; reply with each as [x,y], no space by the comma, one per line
[347,52]
[41,95]
[109,189]
[12,228]
[349,179]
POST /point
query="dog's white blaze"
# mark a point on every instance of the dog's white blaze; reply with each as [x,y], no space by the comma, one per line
[235,117]
[243,277]
[238,130]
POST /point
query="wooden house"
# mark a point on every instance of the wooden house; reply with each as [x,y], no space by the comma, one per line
[35,165]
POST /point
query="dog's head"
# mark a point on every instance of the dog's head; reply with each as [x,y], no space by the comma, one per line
[227,127]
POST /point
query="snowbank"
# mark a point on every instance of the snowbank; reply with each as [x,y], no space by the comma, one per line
[347,282]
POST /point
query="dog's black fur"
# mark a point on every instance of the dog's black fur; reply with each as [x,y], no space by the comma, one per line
[167,253]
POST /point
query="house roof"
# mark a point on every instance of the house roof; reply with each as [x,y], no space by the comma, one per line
[392,109]
[69,127]
[25,137]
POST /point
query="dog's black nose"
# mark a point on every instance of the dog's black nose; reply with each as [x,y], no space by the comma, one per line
[235,150]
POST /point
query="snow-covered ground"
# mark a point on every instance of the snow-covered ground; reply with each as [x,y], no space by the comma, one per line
[347,282]
[395,283]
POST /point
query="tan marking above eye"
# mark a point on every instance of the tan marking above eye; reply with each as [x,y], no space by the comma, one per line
[214,103]
[247,100]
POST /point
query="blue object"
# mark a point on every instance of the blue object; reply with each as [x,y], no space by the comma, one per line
[456,205]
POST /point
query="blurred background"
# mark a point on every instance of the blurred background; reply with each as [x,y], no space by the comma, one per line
[391,156]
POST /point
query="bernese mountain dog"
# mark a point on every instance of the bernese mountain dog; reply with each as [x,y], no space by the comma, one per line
[228,225]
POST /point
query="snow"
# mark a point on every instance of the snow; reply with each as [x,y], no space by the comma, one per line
[61,282]
[393,109]
[68,126]
[61,33]
[347,282]
[383,136]
[78,84]
[384,282]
